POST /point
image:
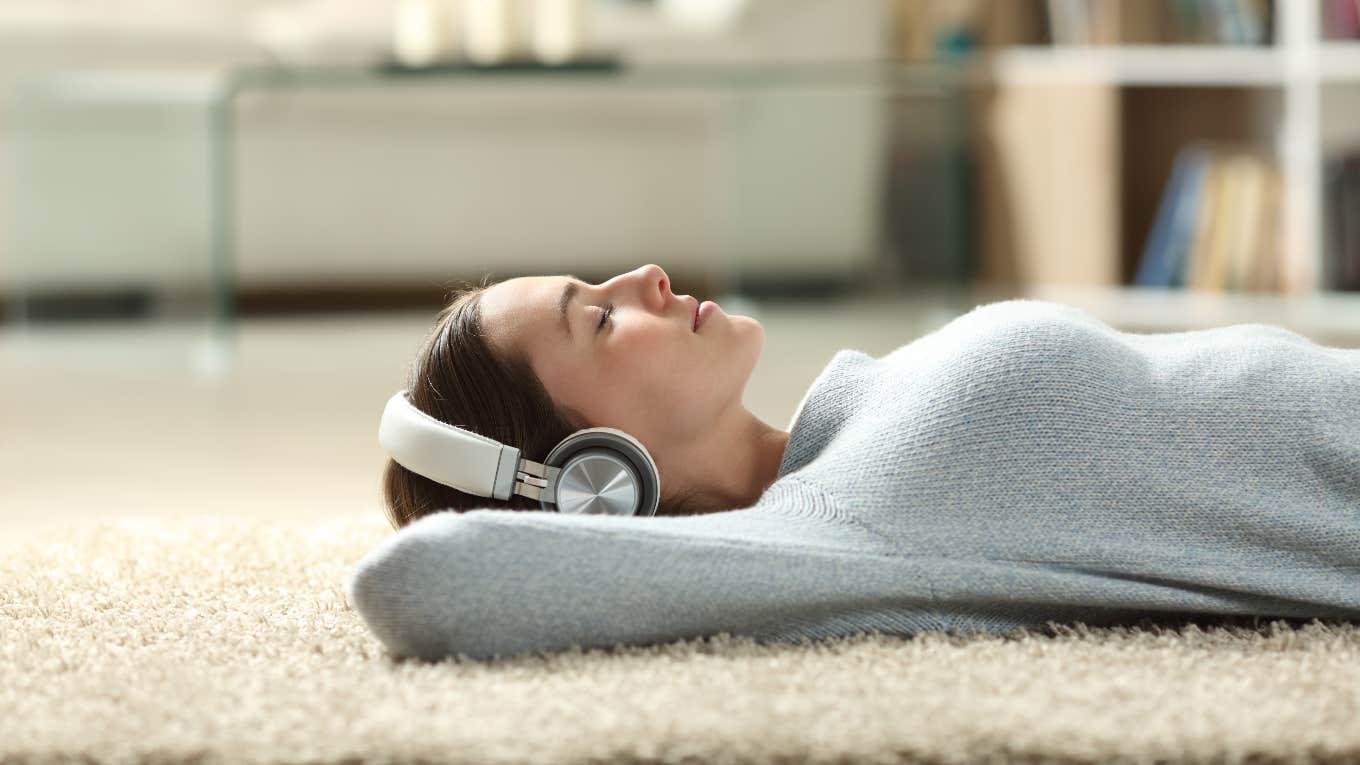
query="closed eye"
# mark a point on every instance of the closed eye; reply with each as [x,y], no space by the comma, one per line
[604,316]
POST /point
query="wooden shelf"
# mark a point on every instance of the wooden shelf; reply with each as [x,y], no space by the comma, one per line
[1340,62]
[1162,65]
[1327,317]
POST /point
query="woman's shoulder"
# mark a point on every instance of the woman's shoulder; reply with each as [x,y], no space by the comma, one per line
[1006,330]
[1029,314]
[1041,324]
[994,347]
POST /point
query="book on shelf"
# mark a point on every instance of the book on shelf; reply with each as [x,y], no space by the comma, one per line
[1105,22]
[926,29]
[1173,229]
[1266,270]
[1341,198]
[1217,225]
[1207,247]
[1048,207]
[1341,19]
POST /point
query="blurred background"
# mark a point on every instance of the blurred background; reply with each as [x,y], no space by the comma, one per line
[225,225]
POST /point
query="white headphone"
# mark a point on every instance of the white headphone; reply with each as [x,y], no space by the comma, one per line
[595,470]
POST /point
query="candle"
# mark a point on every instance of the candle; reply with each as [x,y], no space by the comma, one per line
[492,30]
[559,30]
[419,32]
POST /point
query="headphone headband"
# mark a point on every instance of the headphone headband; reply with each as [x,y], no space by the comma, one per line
[595,470]
[445,453]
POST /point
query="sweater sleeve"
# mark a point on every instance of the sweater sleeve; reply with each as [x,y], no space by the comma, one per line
[490,583]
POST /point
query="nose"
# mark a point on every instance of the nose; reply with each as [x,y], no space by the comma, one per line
[660,276]
[650,283]
[655,285]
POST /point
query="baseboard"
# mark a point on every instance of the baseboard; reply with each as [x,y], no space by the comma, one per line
[74,305]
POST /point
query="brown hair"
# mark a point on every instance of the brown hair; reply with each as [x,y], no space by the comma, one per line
[457,378]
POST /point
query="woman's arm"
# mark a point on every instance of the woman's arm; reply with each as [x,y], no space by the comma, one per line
[494,583]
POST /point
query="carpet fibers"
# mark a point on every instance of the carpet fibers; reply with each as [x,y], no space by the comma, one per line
[221,640]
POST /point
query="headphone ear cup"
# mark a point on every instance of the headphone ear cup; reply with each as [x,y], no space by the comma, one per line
[614,474]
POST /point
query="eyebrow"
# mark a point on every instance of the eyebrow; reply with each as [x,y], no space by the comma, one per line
[564,302]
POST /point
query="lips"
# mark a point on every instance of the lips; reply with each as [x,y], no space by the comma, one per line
[694,320]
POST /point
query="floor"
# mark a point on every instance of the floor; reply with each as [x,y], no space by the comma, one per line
[156,419]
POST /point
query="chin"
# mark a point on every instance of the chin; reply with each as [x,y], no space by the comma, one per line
[750,326]
[744,322]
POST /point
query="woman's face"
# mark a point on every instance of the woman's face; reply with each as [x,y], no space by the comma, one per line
[645,371]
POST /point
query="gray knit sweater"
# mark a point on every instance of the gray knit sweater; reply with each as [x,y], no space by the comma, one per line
[1024,463]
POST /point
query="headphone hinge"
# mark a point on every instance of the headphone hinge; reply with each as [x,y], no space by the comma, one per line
[532,480]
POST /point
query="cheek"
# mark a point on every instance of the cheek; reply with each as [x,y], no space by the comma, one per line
[652,363]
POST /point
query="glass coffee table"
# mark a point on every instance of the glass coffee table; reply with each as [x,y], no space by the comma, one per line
[808,106]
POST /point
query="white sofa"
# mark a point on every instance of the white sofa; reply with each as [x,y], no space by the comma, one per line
[416,186]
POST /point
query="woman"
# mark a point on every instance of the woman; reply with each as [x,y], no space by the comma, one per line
[1025,463]
[507,362]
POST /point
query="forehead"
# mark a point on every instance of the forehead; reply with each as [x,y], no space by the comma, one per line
[518,311]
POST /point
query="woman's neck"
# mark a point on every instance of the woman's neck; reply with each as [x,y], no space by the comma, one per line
[733,465]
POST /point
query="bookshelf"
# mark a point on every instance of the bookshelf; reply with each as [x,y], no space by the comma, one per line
[1292,98]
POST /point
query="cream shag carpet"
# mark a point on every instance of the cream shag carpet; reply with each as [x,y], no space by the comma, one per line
[214,640]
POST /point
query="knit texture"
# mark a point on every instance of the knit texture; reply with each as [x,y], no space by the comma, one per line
[1023,464]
